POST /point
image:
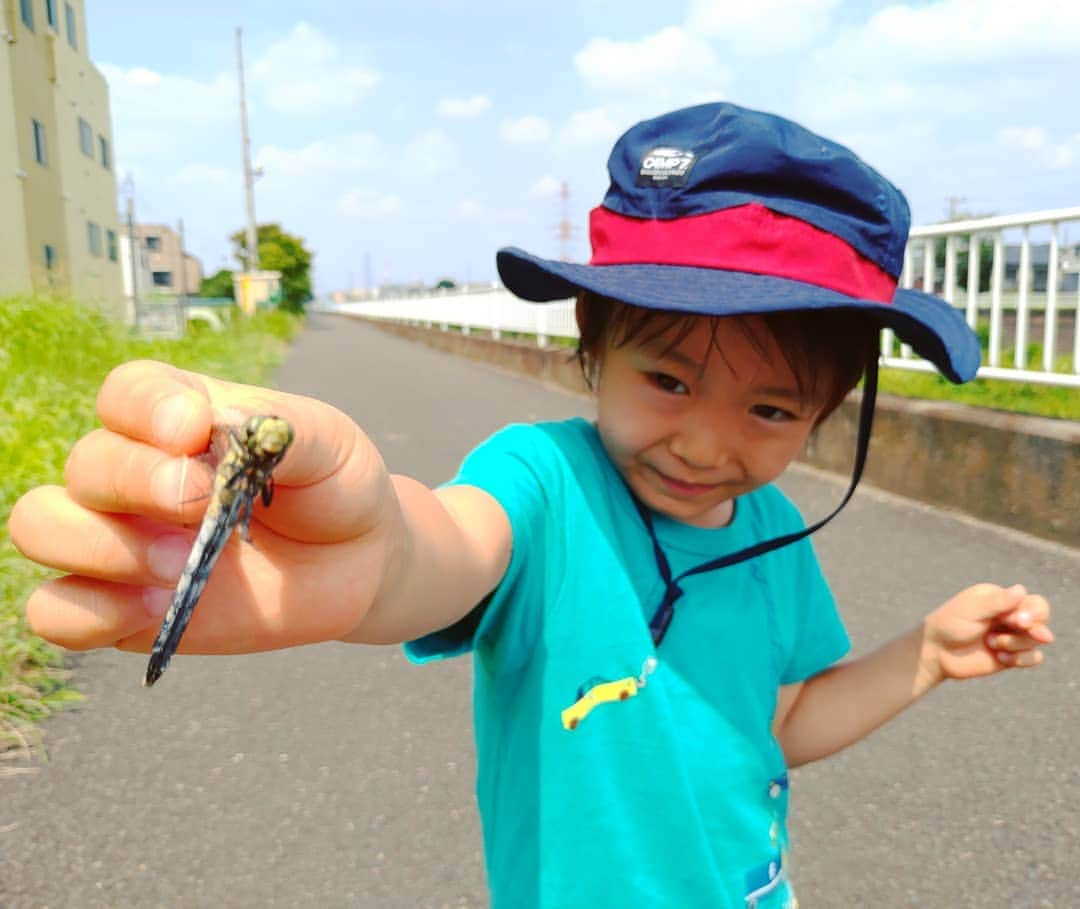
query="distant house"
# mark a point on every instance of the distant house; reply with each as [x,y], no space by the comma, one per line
[161,246]
[1040,258]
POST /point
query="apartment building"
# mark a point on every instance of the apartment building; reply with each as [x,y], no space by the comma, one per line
[162,250]
[59,226]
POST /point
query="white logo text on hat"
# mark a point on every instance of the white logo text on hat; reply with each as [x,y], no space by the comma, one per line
[665,166]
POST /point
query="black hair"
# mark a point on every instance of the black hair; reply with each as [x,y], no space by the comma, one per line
[826,349]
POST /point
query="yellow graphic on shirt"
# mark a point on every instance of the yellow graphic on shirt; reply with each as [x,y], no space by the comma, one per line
[598,691]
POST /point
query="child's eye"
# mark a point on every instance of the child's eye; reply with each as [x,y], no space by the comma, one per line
[772,414]
[668,383]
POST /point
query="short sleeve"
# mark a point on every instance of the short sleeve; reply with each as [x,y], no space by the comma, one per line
[819,636]
[509,466]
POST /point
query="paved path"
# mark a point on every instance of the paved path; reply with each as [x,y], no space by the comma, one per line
[341,776]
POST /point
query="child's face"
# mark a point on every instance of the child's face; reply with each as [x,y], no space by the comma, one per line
[692,428]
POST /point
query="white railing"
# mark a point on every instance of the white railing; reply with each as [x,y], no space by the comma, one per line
[1040,286]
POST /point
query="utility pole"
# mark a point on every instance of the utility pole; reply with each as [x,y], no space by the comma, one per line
[133,249]
[182,300]
[251,260]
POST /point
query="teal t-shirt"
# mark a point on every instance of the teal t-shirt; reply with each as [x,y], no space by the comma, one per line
[675,796]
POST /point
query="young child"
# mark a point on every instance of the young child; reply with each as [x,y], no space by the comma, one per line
[654,642]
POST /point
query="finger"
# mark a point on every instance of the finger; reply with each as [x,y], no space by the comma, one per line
[1025,659]
[46,525]
[110,472]
[81,614]
[1032,610]
[1013,643]
[331,484]
[156,403]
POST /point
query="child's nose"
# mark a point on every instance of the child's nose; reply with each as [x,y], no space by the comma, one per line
[701,446]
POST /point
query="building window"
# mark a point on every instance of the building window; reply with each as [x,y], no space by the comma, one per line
[153,243]
[69,15]
[26,8]
[110,238]
[93,232]
[40,152]
[106,158]
[50,257]
[162,278]
[50,13]
[86,138]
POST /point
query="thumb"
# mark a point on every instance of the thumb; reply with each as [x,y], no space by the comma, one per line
[985,601]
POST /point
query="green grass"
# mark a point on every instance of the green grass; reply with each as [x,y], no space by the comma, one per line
[1033,398]
[54,355]
[1015,397]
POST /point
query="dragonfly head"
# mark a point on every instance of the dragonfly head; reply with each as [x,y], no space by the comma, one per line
[268,436]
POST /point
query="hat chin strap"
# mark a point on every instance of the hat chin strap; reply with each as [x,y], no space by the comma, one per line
[659,623]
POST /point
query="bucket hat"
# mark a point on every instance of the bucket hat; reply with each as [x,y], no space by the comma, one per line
[721,210]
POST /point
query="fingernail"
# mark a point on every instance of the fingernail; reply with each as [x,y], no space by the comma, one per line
[167,555]
[1023,618]
[167,484]
[156,601]
[170,418]
[992,641]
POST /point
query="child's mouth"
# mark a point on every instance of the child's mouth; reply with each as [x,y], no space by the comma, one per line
[683,488]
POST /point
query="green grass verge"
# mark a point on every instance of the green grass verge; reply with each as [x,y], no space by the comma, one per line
[54,355]
[998,394]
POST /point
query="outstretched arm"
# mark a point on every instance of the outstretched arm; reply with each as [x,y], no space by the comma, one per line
[346,551]
[982,630]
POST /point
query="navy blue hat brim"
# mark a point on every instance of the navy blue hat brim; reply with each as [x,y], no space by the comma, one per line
[934,329]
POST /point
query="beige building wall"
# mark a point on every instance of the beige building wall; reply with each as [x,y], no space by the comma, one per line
[162,248]
[68,213]
[14,258]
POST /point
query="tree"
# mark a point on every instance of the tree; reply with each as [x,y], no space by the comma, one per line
[219,284]
[282,252]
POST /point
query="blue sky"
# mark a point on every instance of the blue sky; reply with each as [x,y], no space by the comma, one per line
[409,140]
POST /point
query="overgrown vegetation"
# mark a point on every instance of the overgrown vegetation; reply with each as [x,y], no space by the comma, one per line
[54,355]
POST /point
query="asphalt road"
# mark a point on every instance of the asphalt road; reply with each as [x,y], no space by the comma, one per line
[342,776]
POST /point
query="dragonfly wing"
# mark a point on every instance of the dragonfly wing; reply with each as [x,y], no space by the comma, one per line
[213,534]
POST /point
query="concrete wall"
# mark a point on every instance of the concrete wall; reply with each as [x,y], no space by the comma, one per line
[1016,471]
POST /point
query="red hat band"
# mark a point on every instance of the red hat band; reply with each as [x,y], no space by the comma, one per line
[748,238]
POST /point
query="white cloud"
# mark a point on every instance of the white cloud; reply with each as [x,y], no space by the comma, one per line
[1039,147]
[153,112]
[596,126]
[665,63]
[368,203]
[303,75]
[546,186]
[430,153]
[464,108]
[353,152]
[958,33]
[761,27]
[525,129]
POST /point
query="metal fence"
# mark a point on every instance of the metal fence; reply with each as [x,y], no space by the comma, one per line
[1019,274]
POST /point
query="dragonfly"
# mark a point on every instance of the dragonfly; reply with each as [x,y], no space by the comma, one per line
[243,474]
